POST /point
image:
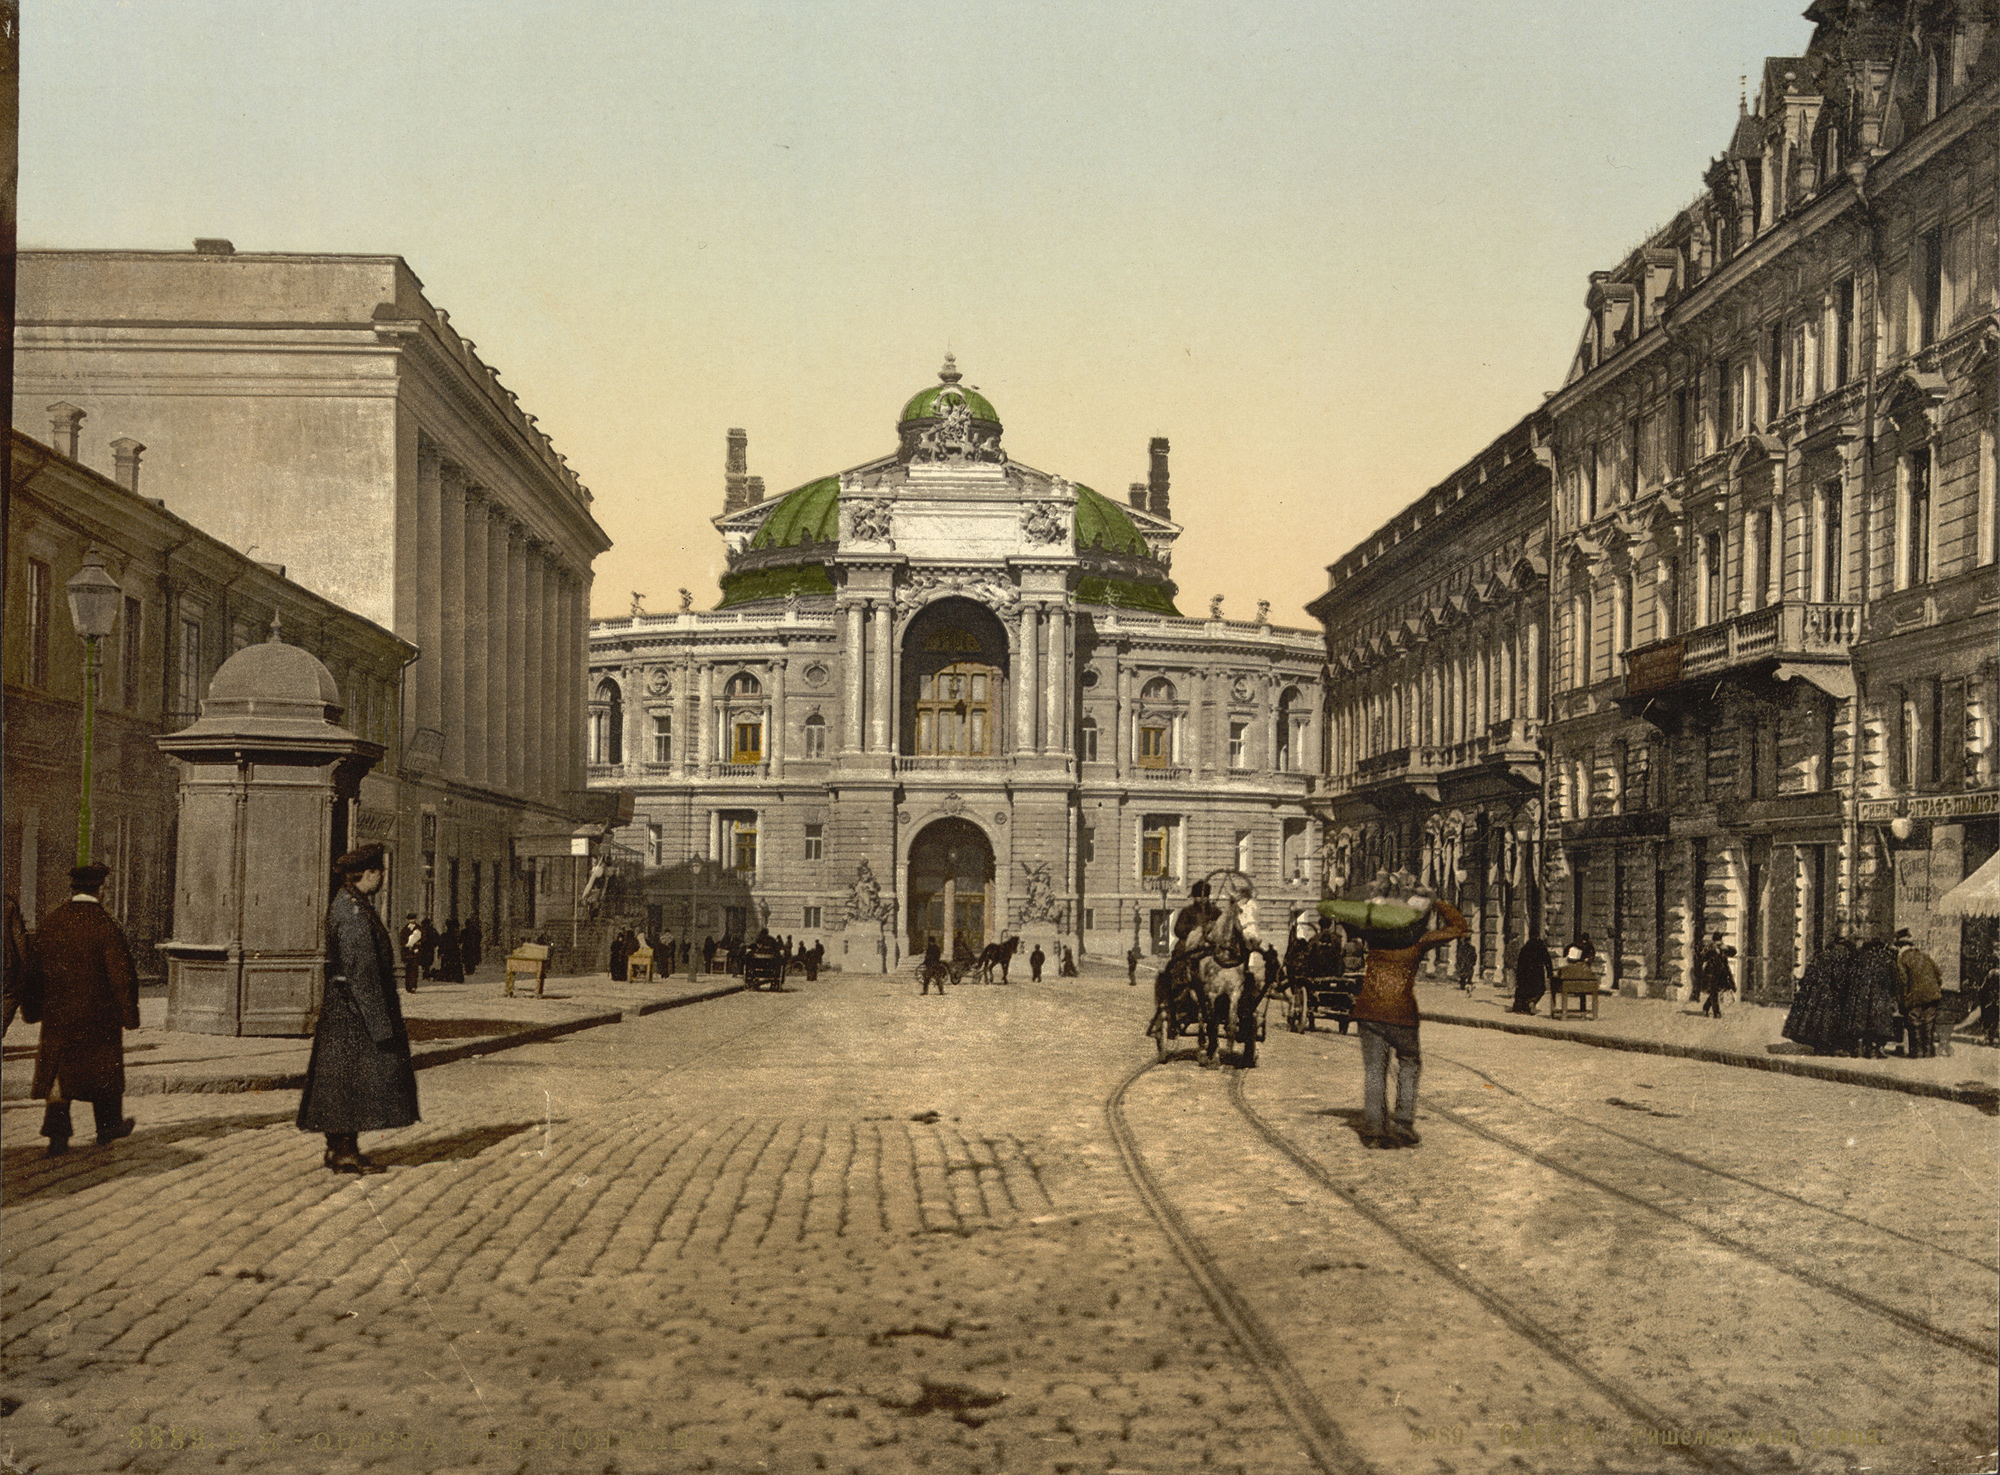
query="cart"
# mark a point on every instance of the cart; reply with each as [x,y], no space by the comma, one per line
[764,969]
[1314,995]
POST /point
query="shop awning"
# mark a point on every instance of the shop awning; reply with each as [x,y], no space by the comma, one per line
[1978,895]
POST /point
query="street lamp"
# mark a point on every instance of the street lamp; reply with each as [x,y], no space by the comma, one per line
[94,602]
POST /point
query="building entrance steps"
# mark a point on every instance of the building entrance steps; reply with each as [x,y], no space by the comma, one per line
[447,1022]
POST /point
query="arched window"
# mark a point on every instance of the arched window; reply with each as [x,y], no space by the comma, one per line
[1089,743]
[1291,728]
[955,711]
[741,685]
[1159,689]
[815,739]
[607,724]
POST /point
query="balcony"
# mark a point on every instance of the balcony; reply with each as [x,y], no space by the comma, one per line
[1669,682]
[952,763]
[1399,778]
[739,770]
[1163,774]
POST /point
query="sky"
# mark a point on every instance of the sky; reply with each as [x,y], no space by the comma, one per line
[1329,249]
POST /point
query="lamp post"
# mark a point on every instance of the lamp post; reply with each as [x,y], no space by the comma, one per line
[94,601]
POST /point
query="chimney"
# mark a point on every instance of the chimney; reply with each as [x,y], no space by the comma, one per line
[1156,481]
[213,246]
[736,485]
[65,426]
[128,451]
[755,494]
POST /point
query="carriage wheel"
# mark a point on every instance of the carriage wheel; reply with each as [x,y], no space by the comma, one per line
[1295,1010]
[1163,1032]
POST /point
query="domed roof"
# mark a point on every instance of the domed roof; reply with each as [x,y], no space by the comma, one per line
[810,512]
[927,403]
[1102,523]
[274,672]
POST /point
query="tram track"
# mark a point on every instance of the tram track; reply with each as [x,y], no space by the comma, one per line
[1986,1353]
[1329,1446]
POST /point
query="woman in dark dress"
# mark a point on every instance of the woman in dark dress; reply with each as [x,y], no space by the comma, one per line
[360,1078]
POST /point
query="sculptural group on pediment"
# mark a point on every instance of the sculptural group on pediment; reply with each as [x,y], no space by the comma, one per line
[982,585]
[953,439]
[1045,522]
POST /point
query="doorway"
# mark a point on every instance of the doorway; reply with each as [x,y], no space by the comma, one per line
[951,887]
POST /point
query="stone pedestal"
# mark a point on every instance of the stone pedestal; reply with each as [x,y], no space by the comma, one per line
[268,777]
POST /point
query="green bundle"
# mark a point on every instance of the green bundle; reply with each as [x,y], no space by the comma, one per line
[1384,924]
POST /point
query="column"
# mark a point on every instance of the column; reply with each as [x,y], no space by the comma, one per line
[632,691]
[878,685]
[1510,676]
[570,708]
[779,732]
[1197,706]
[519,668]
[451,604]
[535,680]
[854,668]
[498,620]
[684,739]
[1052,683]
[1537,696]
[478,623]
[1025,684]
[1121,721]
[704,718]
[423,570]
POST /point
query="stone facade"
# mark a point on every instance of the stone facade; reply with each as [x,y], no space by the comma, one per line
[1436,641]
[189,602]
[1771,604]
[945,693]
[318,411]
[1773,584]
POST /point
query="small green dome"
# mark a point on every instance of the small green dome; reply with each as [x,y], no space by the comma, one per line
[926,403]
[1102,523]
[808,512]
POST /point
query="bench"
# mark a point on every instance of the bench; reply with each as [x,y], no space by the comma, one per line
[639,967]
[530,959]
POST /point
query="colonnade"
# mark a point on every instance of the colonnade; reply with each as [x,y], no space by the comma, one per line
[500,620]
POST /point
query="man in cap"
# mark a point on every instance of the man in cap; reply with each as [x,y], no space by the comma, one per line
[89,996]
[1385,1011]
[413,948]
[1920,990]
[360,1078]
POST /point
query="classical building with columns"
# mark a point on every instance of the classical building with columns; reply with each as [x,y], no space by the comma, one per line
[944,694]
[1436,633]
[318,413]
[1773,585]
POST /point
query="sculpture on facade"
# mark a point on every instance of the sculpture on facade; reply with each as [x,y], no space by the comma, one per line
[870,521]
[687,601]
[1215,608]
[638,604]
[1043,522]
[865,901]
[1039,904]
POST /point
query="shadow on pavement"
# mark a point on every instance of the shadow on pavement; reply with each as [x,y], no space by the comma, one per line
[30,1173]
[422,1029]
[456,1147]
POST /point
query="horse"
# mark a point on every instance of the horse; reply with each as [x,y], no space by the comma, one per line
[997,955]
[1232,980]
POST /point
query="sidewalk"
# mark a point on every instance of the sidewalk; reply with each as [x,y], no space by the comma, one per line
[1748,1035]
[447,1022]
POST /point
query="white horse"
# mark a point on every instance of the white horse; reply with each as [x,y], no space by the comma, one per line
[1232,981]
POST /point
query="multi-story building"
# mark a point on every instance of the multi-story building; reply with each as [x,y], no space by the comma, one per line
[316,411]
[1435,629]
[188,602]
[1773,588]
[945,694]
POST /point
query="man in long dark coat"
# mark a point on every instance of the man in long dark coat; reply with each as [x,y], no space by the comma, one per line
[471,945]
[1533,971]
[83,989]
[360,1078]
[451,961]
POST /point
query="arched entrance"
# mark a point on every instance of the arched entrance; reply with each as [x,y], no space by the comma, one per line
[951,885]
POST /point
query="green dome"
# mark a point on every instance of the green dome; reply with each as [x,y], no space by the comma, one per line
[924,403]
[1102,523]
[808,512]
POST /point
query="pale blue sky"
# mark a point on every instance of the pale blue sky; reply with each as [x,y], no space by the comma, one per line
[1329,249]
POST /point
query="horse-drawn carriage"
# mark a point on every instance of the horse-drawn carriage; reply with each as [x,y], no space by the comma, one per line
[1320,983]
[1211,987]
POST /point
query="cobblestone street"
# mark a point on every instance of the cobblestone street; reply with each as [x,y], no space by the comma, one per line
[848,1228]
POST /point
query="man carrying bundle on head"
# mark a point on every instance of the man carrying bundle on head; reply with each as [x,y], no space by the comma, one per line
[1400,923]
